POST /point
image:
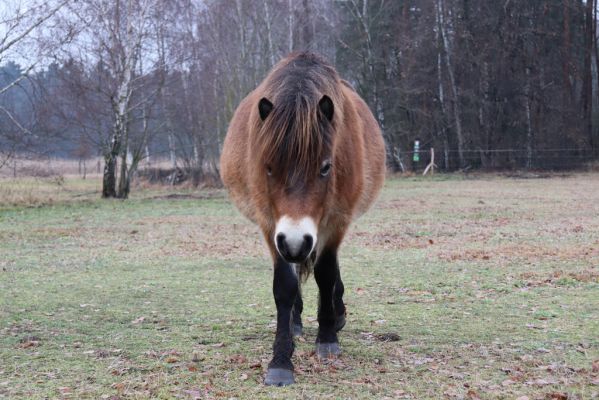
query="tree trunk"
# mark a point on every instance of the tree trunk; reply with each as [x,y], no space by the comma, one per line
[123,191]
[567,97]
[109,179]
[454,89]
[595,145]
[441,94]
[529,134]
[290,26]
[242,48]
[122,131]
[307,25]
[171,150]
[109,175]
[587,83]
[271,53]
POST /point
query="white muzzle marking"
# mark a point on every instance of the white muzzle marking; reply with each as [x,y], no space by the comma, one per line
[294,231]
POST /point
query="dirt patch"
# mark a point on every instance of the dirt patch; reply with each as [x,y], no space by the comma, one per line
[388,240]
[533,279]
[204,195]
[526,252]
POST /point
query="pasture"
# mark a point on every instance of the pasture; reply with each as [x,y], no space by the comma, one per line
[456,287]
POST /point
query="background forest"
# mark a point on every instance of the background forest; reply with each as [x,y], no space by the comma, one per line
[489,84]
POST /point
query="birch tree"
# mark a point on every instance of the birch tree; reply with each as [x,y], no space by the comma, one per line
[118,36]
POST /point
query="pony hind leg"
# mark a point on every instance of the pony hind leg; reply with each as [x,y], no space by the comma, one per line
[285,289]
[326,272]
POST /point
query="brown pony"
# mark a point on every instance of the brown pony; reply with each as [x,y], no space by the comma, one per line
[303,157]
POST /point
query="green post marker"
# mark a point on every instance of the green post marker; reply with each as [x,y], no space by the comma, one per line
[416,151]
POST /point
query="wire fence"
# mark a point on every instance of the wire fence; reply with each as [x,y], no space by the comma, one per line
[551,159]
[496,159]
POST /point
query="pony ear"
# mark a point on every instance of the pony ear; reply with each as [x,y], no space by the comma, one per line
[326,106]
[264,107]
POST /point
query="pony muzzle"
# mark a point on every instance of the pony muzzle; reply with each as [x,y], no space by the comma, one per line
[295,239]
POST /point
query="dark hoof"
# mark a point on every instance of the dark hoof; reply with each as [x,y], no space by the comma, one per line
[279,377]
[297,330]
[340,322]
[325,350]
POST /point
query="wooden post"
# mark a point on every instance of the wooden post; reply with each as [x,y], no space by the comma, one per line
[431,165]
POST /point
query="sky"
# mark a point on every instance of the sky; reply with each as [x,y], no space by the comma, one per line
[25,52]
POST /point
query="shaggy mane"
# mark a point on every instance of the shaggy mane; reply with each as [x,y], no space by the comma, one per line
[295,136]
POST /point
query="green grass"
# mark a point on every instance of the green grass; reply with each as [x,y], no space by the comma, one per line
[489,287]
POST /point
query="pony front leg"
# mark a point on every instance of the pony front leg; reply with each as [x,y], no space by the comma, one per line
[340,310]
[285,290]
[326,272]
[298,307]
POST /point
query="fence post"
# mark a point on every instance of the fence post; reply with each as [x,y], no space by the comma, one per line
[431,165]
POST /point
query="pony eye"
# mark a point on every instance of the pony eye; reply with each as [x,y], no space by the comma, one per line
[268,170]
[326,168]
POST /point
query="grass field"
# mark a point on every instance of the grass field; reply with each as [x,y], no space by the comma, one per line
[456,287]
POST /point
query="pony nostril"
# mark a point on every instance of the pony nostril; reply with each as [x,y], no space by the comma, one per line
[281,242]
[308,241]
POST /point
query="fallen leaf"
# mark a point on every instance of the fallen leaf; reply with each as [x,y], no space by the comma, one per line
[243,377]
[138,320]
[26,345]
[556,396]
[171,360]
[192,368]
[238,359]
[29,341]
[119,387]
[472,395]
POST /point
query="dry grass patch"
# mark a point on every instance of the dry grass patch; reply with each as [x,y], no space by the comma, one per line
[456,288]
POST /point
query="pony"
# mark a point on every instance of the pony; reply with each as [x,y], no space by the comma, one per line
[303,157]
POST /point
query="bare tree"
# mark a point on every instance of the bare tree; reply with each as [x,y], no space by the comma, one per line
[119,36]
[20,32]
